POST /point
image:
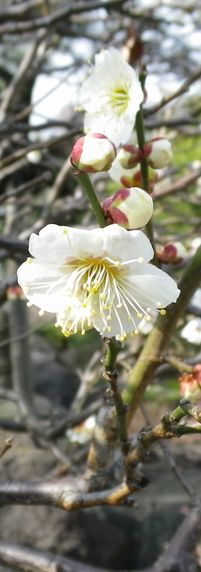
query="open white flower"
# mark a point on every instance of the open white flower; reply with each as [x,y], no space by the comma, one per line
[95,278]
[111,97]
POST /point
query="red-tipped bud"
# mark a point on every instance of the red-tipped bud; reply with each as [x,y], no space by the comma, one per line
[158,152]
[171,253]
[131,208]
[129,156]
[93,153]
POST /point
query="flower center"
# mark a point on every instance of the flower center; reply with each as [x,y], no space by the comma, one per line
[98,291]
[119,98]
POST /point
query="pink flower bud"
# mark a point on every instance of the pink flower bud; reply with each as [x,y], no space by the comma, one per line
[129,156]
[190,383]
[172,253]
[158,152]
[93,153]
[131,208]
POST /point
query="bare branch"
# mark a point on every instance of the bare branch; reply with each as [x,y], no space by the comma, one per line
[182,89]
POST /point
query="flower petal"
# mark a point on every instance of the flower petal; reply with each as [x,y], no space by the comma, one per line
[117,129]
[43,285]
[152,287]
[59,243]
[123,245]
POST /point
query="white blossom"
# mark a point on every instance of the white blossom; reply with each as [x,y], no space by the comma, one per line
[111,97]
[95,278]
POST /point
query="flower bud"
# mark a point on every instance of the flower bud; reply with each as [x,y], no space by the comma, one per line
[158,152]
[129,156]
[190,383]
[93,153]
[171,253]
[131,208]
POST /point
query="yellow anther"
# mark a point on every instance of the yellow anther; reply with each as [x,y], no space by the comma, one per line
[148,318]
[136,332]
[162,312]
[29,304]
[139,315]
[29,260]
[65,231]
[66,333]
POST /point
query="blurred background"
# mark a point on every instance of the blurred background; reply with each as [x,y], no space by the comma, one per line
[46,48]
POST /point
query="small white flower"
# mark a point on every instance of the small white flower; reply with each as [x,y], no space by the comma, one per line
[95,278]
[111,97]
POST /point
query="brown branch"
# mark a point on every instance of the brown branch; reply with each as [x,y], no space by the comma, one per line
[21,153]
[182,89]
[18,12]
[29,560]
[57,16]
[65,494]
[14,245]
[43,178]
[175,554]
[179,185]
[12,90]
[145,367]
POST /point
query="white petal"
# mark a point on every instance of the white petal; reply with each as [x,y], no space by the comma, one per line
[117,128]
[43,285]
[51,245]
[57,244]
[152,287]
[123,245]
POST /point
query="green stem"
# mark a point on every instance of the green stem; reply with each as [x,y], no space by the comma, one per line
[111,354]
[89,190]
[141,375]
[111,376]
[139,126]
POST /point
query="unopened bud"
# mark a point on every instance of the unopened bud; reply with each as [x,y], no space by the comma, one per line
[129,156]
[171,253]
[93,153]
[131,208]
[190,383]
[158,152]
